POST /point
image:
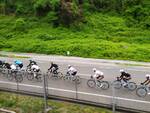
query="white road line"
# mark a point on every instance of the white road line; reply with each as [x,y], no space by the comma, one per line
[71,91]
[84,74]
[139,70]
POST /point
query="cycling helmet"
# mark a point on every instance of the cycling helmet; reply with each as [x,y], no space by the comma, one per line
[17,62]
[30,60]
[122,70]
[147,75]
[69,66]
[94,69]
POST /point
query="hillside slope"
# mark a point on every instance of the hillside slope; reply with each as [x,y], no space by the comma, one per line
[97,33]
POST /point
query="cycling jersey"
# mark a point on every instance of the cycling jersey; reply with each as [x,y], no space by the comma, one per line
[13,67]
[35,68]
[72,71]
[54,65]
[97,74]
[124,74]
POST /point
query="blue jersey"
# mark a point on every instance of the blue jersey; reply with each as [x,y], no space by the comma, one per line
[18,62]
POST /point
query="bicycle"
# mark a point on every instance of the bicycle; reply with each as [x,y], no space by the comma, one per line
[142,90]
[92,83]
[54,74]
[14,74]
[72,78]
[34,75]
[119,83]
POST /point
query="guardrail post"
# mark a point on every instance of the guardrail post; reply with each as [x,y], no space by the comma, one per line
[113,99]
[76,87]
[45,82]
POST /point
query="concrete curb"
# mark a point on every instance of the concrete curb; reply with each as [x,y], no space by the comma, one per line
[109,61]
[6,111]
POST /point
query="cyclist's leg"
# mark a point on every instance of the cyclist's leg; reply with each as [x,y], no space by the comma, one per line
[124,81]
[148,82]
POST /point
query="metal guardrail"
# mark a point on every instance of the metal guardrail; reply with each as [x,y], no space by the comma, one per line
[46,91]
[84,102]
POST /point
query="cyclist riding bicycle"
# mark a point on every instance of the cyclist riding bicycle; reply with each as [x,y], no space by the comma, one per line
[71,71]
[35,69]
[18,63]
[125,77]
[1,63]
[32,62]
[53,68]
[147,81]
[98,75]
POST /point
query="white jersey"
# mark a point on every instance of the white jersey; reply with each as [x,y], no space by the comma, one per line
[35,67]
[98,73]
[13,67]
[72,70]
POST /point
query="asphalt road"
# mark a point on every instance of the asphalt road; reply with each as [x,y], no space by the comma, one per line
[123,97]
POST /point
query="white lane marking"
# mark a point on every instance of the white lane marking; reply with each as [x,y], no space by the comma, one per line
[84,74]
[139,70]
[71,91]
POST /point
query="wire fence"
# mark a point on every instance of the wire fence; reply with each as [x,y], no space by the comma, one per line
[86,89]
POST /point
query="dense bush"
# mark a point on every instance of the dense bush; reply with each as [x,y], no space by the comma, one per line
[20,25]
[67,12]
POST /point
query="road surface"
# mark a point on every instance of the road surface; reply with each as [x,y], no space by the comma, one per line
[123,97]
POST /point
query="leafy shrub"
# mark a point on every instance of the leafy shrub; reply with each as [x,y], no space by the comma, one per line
[20,10]
[42,7]
[46,37]
[52,17]
[20,25]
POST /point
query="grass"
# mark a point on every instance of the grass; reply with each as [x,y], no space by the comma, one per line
[27,104]
[100,36]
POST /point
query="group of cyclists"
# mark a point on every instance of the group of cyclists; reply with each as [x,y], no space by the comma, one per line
[33,67]
[72,71]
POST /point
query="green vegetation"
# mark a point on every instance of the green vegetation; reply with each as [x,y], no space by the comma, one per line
[111,29]
[27,104]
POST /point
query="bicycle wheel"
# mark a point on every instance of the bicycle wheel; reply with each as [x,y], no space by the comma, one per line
[105,85]
[78,80]
[141,92]
[39,78]
[49,74]
[66,78]
[30,76]
[117,84]
[132,86]
[60,75]
[91,83]
[10,76]
[4,71]
[18,78]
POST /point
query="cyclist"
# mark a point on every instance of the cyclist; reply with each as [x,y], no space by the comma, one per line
[2,62]
[147,81]
[35,69]
[125,77]
[53,68]
[98,75]
[31,63]
[18,63]
[71,71]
